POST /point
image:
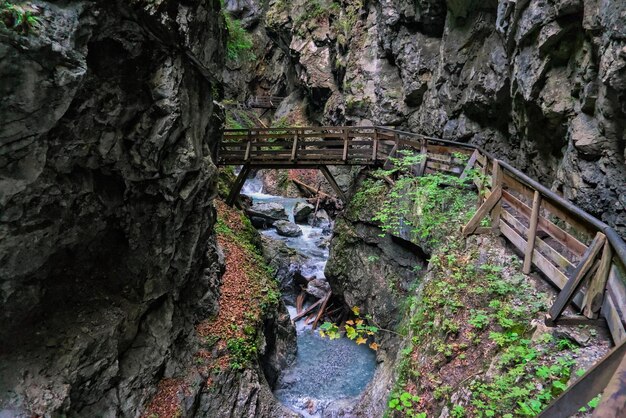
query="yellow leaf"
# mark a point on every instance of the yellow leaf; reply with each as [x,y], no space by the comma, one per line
[359,322]
[322,334]
[374,346]
[370,333]
[361,340]
[350,322]
[355,310]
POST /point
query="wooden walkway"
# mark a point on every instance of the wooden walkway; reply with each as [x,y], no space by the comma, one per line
[578,254]
[264,102]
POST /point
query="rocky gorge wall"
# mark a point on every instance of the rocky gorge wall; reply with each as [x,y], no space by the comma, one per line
[540,83]
[108,125]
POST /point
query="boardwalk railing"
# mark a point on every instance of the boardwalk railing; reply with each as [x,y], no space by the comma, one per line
[580,255]
[264,102]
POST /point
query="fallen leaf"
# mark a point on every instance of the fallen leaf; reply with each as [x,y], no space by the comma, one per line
[374,346]
[361,340]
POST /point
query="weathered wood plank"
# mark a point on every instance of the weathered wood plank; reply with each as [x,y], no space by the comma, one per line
[532,233]
[470,164]
[576,279]
[567,240]
[486,207]
[594,296]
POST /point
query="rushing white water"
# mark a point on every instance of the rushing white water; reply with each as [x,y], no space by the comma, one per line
[324,371]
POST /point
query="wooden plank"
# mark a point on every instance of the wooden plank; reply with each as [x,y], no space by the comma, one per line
[576,279]
[532,233]
[307,310]
[375,146]
[424,162]
[544,248]
[294,149]
[594,296]
[443,167]
[486,207]
[496,181]
[322,309]
[345,145]
[470,165]
[556,210]
[613,402]
[248,149]
[241,179]
[333,183]
[593,382]
[567,240]
[554,275]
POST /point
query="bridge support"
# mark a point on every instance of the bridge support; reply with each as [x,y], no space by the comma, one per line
[326,172]
[241,179]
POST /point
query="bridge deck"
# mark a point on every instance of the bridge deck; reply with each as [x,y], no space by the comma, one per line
[578,254]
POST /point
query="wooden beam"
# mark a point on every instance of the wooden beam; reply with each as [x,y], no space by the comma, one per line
[424,154]
[241,179]
[576,279]
[375,146]
[470,165]
[345,144]
[489,204]
[496,181]
[532,233]
[388,164]
[594,296]
[613,403]
[294,148]
[587,387]
[322,309]
[333,183]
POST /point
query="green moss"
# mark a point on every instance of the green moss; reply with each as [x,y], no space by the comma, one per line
[19,18]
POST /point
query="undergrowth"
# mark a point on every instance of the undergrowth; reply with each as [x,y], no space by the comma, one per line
[19,18]
[239,42]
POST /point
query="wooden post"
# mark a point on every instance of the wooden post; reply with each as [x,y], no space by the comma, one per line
[294,148]
[481,187]
[388,164]
[333,183]
[594,296]
[469,165]
[241,179]
[493,199]
[532,233]
[424,154]
[614,398]
[576,279]
[248,149]
[588,386]
[375,146]
[496,181]
[345,144]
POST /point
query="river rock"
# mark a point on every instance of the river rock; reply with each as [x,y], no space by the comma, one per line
[318,288]
[321,218]
[287,229]
[271,211]
[301,211]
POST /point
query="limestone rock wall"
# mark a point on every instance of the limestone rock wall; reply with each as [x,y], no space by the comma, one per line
[107,129]
[541,83]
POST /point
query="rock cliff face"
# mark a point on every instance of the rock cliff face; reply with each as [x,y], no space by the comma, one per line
[107,259]
[541,83]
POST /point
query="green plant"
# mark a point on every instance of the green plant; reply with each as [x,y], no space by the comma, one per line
[242,350]
[357,330]
[405,403]
[21,19]
[239,42]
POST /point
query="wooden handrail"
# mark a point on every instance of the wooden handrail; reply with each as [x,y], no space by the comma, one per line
[374,145]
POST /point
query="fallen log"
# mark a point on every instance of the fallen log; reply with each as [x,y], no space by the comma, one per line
[322,309]
[300,302]
[307,310]
[312,190]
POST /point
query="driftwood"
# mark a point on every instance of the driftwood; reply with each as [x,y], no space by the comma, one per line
[300,302]
[322,309]
[307,310]
[311,190]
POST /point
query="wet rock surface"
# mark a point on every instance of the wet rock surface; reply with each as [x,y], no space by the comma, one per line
[107,130]
[287,229]
[301,211]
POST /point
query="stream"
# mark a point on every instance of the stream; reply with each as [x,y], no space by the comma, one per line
[324,371]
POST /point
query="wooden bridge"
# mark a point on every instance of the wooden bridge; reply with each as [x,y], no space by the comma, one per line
[578,254]
[264,102]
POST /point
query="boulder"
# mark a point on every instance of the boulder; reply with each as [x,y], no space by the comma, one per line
[321,218]
[318,288]
[269,212]
[287,229]
[301,211]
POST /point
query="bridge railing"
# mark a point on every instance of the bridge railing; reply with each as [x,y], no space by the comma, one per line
[264,102]
[579,254]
